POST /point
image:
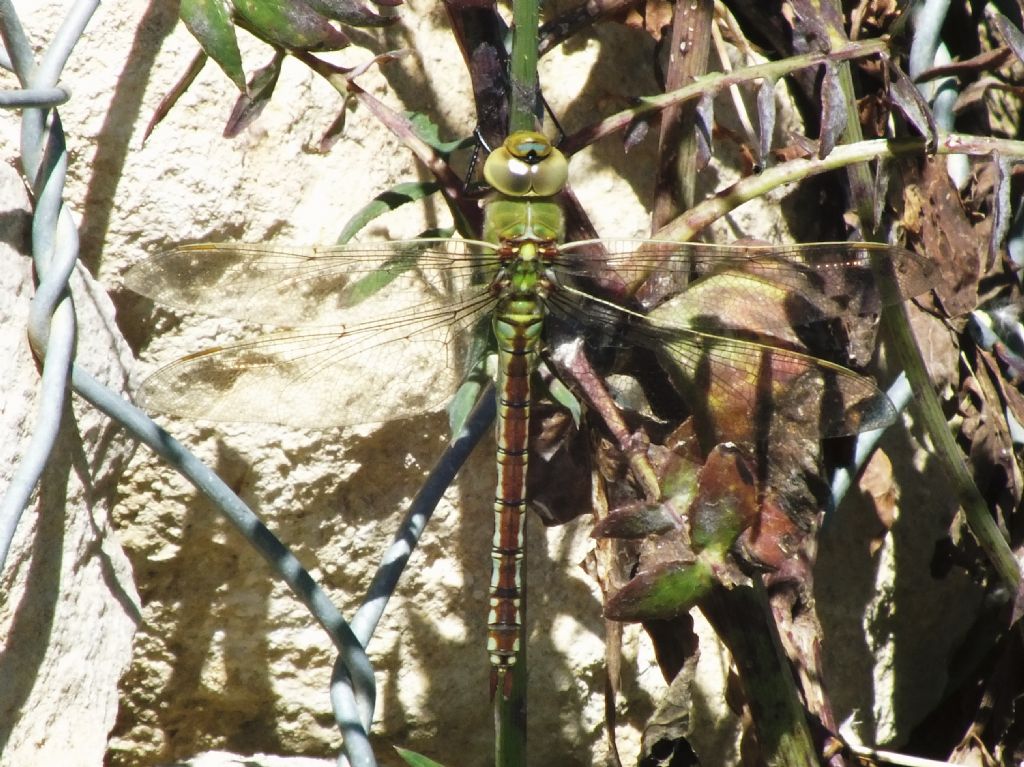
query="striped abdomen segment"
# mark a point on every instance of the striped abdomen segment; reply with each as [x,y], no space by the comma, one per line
[517,328]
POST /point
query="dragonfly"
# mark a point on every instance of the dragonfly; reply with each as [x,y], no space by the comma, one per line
[361,318]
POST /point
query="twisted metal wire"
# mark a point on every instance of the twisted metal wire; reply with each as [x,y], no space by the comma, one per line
[51,322]
[51,330]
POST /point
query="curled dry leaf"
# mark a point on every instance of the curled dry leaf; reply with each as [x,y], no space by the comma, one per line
[934,214]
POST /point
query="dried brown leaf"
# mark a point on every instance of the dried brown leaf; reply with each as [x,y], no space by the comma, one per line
[773,537]
[939,347]
[875,15]
[991,445]
[935,217]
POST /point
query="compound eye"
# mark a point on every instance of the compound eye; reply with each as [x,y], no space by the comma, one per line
[550,176]
[528,146]
[507,174]
[526,165]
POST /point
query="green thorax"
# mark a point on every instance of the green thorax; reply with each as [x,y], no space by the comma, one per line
[523,219]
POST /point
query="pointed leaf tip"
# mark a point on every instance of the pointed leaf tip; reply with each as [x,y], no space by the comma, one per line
[210,23]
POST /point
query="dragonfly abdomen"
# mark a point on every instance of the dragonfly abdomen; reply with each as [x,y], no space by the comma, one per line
[517,328]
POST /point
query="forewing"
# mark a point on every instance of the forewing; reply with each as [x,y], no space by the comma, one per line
[376,328]
[308,286]
[824,279]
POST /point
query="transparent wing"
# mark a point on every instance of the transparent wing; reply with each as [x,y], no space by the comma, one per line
[738,388]
[379,329]
[307,286]
[824,279]
[726,322]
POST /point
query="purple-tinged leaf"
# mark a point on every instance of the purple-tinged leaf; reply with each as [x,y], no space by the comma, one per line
[334,131]
[635,132]
[256,96]
[905,96]
[703,123]
[289,24]
[1001,210]
[772,539]
[210,23]
[765,120]
[726,501]
[638,520]
[176,91]
[883,175]
[833,109]
[809,27]
[1010,34]
[350,12]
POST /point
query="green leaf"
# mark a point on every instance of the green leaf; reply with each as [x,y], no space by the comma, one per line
[398,264]
[291,24]
[393,198]
[662,592]
[428,131]
[465,400]
[350,12]
[483,363]
[416,760]
[561,394]
[637,520]
[209,21]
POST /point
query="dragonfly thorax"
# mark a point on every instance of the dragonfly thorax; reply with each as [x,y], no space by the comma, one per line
[524,272]
[520,219]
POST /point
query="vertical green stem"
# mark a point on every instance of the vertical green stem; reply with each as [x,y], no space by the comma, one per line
[742,618]
[523,99]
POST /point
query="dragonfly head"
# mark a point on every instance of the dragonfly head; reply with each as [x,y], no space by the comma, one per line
[526,165]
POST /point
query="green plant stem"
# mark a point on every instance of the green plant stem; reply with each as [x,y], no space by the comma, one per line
[742,618]
[713,83]
[751,187]
[510,710]
[523,65]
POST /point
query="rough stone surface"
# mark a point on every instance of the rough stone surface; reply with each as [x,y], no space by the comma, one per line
[225,657]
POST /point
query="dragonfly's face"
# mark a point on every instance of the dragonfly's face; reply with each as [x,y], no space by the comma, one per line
[526,165]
